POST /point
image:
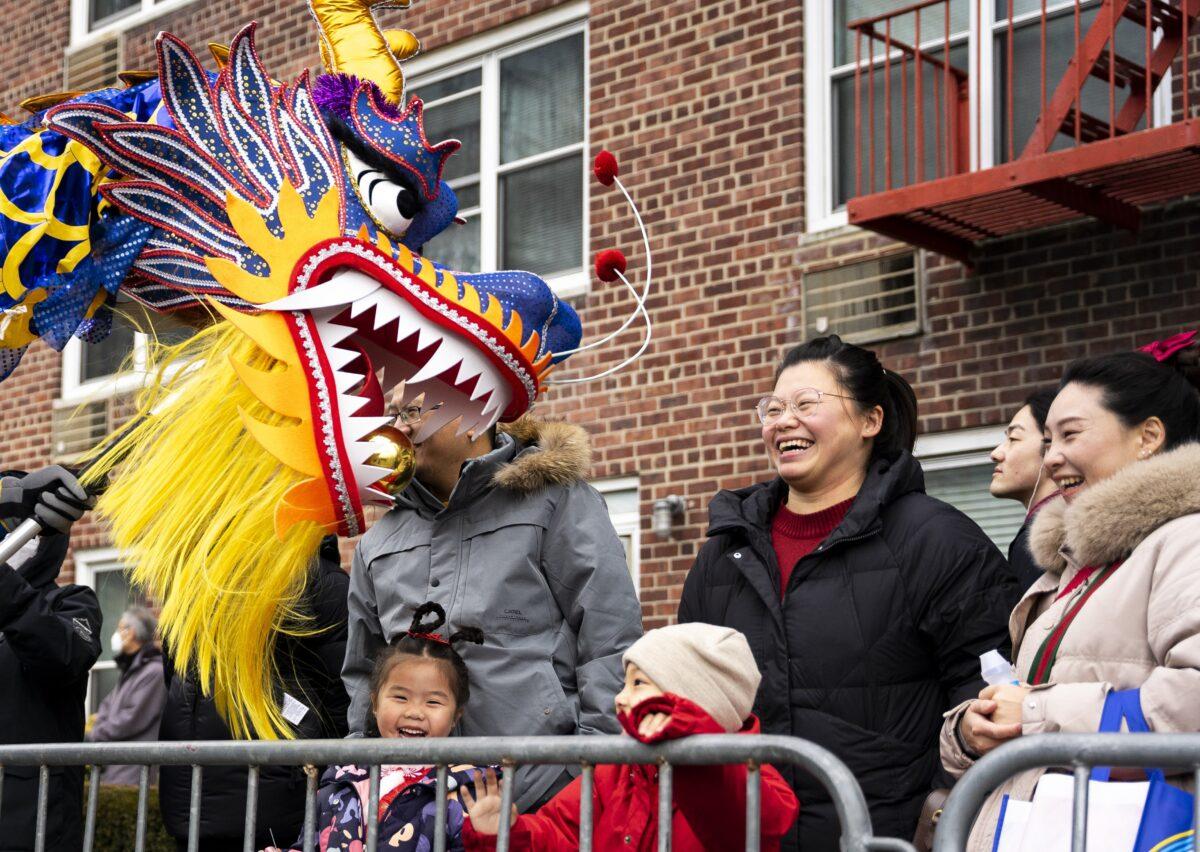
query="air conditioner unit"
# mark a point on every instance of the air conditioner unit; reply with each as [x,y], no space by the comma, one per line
[76,428]
[867,300]
[92,67]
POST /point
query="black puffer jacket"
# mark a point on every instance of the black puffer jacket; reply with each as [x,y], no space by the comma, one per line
[49,639]
[880,633]
[311,668]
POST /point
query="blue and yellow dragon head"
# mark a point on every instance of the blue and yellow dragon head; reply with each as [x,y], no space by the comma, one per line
[295,213]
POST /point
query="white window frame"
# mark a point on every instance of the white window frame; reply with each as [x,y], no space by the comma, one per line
[75,389]
[87,564]
[627,523]
[486,52]
[140,13]
[820,212]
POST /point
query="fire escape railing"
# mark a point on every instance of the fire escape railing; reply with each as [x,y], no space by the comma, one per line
[1130,80]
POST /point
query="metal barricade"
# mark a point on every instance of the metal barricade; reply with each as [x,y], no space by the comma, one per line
[1080,752]
[508,752]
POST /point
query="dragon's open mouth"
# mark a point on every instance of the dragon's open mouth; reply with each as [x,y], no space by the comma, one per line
[369,317]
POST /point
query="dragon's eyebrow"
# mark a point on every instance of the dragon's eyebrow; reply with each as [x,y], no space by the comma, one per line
[342,133]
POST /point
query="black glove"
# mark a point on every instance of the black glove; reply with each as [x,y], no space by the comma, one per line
[52,496]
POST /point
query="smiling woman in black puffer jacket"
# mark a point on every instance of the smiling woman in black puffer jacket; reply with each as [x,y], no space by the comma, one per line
[311,670]
[866,602]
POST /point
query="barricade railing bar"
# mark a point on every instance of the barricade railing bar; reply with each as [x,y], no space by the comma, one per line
[1078,752]
[507,752]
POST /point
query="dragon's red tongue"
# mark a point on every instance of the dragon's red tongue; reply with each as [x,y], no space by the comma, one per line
[370,388]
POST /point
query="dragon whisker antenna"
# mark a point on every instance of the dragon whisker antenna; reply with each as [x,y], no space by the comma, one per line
[610,265]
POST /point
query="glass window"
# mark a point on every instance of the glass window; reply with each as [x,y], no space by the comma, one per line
[622,499]
[97,360]
[519,176]
[966,489]
[112,588]
[100,10]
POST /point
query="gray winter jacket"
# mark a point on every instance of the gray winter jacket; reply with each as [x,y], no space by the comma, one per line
[131,712]
[525,551]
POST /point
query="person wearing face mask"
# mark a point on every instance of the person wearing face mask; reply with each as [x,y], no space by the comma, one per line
[1019,475]
[49,640]
[866,602]
[1116,607]
[132,710]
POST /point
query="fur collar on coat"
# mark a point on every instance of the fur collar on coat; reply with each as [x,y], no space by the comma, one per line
[563,455]
[1113,517]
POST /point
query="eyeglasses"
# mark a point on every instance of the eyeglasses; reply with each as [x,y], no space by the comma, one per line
[803,404]
[410,414]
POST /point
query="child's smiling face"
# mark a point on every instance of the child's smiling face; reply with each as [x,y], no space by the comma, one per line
[416,700]
[638,687]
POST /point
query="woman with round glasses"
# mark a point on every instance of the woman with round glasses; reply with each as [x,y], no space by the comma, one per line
[866,602]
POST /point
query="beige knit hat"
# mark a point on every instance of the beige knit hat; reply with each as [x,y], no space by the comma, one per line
[709,665]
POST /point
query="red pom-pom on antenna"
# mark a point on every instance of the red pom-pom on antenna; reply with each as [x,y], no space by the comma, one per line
[608,263]
[605,168]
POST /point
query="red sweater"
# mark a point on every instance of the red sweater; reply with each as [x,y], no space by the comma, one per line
[709,801]
[795,536]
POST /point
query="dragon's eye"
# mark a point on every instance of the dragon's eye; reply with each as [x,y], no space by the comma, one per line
[393,204]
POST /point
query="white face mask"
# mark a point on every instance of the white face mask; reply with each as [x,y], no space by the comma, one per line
[116,644]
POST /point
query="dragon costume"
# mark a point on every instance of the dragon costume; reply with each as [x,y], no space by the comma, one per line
[294,214]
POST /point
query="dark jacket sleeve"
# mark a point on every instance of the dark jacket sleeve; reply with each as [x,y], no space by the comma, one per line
[331,588]
[55,632]
[584,564]
[961,595]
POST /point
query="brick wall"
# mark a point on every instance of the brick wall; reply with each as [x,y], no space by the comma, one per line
[702,105]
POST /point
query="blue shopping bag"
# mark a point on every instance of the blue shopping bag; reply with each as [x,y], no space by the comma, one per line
[1167,818]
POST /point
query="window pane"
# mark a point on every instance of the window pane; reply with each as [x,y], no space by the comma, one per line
[457,247]
[933,24]
[966,489]
[112,588]
[468,196]
[932,128]
[456,120]
[106,357]
[541,99]
[450,86]
[542,217]
[1060,47]
[98,10]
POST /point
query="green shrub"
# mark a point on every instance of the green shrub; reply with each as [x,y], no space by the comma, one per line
[116,820]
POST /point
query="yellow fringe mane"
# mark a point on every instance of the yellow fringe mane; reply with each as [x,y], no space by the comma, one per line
[192,505]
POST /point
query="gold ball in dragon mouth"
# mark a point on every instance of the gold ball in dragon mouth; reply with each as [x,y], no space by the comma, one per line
[394,451]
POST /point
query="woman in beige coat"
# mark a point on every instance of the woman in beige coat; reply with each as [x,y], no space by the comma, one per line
[1119,604]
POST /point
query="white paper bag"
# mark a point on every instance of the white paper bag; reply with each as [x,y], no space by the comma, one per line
[1114,814]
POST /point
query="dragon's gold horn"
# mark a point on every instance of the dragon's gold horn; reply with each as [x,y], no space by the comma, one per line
[353,43]
[220,53]
[404,45]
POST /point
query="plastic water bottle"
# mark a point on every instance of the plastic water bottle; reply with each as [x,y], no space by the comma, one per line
[996,670]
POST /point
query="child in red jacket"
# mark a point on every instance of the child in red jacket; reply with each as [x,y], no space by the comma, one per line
[680,680]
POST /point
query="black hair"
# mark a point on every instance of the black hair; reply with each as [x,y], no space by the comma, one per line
[860,373]
[420,641]
[1039,403]
[1135,387]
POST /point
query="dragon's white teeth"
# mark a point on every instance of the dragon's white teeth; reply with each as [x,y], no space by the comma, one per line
[343,381]
[442,360]
[333,333]
[341,289]
[473,365]
[348,404]
[436,420]
[339,357]
[427,336]
[359,307]
[485,385]
[387,310]
[357,428]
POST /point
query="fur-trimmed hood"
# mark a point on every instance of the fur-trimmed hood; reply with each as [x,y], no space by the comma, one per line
[1114,516]
[552,453]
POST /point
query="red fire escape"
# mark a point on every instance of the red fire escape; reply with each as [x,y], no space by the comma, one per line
[1075,162]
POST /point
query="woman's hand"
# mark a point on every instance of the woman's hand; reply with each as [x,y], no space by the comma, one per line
[484,810]
[993,718]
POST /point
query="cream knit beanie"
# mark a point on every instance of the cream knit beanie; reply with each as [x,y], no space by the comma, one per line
[708,665]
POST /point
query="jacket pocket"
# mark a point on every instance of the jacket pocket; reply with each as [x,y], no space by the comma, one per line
[396,574]
[505,591]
